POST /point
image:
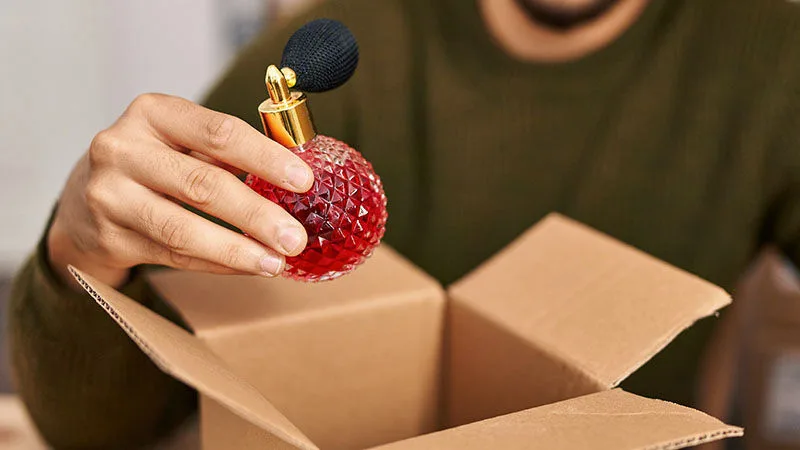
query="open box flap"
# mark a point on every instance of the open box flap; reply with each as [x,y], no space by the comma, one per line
[185,357]
[609,419]
[251,299]
[594,302]
[773,285]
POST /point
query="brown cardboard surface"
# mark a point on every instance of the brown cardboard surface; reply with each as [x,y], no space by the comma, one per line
[596,303]
[210,303]
[770,338]
[513,374]
[766,415]
[357,362]
[304,345]
[352,380]
[611,419]
[222,429]
[186,358]
[778,291]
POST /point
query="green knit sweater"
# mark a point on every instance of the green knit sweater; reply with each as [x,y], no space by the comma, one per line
[681,138]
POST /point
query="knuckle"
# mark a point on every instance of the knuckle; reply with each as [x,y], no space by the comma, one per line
[179,260]
[202,185]
[256,216]
[146,216]
[174,234]
[96,196]
[230,256]
[154,252]
[104,147]
[219,131]
[144,102]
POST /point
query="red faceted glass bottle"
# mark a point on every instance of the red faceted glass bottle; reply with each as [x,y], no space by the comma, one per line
[344,213]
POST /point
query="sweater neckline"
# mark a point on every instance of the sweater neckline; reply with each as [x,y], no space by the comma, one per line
[469,44]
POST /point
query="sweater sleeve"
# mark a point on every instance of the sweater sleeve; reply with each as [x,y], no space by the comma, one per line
[84,382]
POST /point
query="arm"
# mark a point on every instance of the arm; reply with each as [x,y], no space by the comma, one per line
[85,384]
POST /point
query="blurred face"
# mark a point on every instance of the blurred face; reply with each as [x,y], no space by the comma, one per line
[564,14]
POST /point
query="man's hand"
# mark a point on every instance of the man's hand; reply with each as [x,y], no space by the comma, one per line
[119,208]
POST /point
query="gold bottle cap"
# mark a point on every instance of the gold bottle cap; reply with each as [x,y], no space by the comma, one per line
[285,114]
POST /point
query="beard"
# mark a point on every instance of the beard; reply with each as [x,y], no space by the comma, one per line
[563,15]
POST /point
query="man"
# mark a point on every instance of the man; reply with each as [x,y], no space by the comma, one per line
[671,125]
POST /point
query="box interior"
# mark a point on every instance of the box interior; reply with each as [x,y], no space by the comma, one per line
[354,363]
[383,355]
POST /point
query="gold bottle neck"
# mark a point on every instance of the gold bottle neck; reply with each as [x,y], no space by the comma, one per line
[285,114]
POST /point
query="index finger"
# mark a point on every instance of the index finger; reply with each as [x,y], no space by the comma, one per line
[228,139]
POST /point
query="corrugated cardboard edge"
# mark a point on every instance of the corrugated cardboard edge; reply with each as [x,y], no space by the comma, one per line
[604,410]
[767,343]
[698,315]
[601,382]
[281,428]
[698,439]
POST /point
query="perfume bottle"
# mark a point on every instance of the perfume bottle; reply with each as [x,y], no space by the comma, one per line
[344,212]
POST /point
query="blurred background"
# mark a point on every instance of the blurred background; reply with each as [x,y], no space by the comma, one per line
[73,66]
[80,63]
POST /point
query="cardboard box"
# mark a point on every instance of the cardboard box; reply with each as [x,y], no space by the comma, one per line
[769,338]
[526,351]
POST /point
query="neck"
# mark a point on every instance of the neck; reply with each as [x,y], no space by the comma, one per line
[525,39]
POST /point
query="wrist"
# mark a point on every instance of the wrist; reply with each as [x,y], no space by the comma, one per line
[62,252]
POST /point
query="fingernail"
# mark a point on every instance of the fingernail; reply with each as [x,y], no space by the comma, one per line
[298,176]
[271,265]
[290,238]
